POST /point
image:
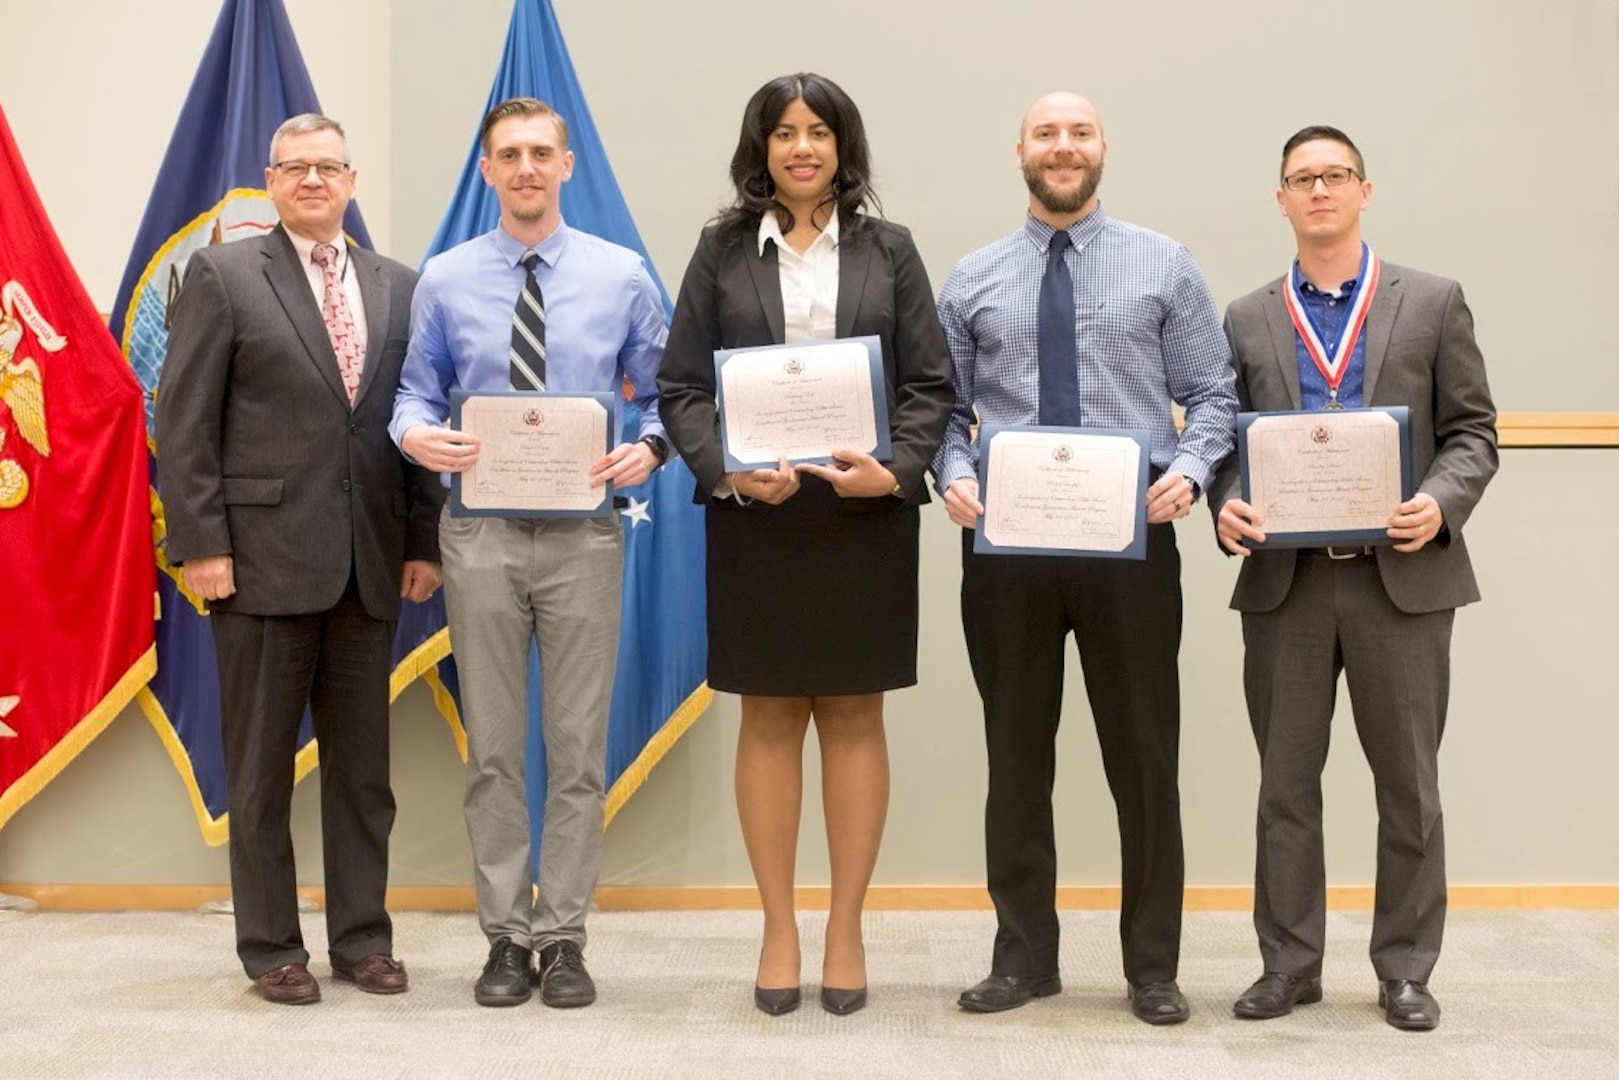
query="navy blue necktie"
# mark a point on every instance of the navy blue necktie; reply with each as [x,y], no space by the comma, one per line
[1059,347]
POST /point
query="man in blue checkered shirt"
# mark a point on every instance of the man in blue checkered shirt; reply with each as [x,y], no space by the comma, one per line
[1144,333]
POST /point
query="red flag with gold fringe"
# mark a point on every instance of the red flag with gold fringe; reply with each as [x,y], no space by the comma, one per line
[76,576]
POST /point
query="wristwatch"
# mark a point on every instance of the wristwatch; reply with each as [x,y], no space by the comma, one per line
[660,448]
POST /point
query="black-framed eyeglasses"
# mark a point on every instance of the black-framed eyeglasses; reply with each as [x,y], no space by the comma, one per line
[1336,176]
[326,170]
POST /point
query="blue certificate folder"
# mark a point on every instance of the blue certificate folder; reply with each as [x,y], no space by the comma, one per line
[882,450]
[1320,435]
[458,507]
[1137,548]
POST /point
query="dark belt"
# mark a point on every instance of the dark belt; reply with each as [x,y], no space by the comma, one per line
[1340,552]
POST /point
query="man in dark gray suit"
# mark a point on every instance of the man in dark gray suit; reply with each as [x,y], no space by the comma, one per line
[1381,615]
[291,513]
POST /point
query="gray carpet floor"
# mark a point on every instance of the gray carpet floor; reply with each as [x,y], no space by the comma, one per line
[1525,994]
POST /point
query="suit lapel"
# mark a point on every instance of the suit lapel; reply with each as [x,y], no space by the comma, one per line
[767,283]
[291,286]
[374,292]
[1380,327]
[1284,341]
[854,262]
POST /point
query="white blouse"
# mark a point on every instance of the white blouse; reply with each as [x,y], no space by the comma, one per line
[809,282]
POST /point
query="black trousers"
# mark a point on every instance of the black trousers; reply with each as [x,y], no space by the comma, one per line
[1125,617]
[337,662]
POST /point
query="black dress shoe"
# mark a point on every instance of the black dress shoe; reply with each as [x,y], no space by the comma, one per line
[564,982]
[1159,1003]
[1274,995]
[506,975]
[776,1001]
[842,1002]
[1407,1005]
[1001,992]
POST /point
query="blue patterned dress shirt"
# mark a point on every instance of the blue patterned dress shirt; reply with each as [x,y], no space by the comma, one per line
[1327,312]
[1148,334]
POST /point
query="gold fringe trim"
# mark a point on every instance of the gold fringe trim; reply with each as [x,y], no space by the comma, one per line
[447,709]
[214,830]
[630,781]
[72,744]
[418,662]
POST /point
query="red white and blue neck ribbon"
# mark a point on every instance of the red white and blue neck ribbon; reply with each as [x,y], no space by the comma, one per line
[1334,367]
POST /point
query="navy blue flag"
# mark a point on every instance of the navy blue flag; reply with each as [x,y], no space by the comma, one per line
[663,643]
[210,190]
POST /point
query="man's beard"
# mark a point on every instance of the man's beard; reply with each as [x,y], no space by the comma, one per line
[1062,202]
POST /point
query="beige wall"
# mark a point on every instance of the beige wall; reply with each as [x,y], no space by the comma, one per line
[1491,130]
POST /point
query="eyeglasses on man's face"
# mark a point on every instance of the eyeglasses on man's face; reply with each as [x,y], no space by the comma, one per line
[1336,176]
[298,170]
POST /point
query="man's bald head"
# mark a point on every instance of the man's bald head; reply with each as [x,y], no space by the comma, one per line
[1061,104]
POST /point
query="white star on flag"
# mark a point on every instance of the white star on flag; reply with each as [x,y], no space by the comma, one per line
[639,511]
[6,705]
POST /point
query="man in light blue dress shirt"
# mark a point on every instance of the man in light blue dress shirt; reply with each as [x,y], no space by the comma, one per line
[510,581]
[1079,319]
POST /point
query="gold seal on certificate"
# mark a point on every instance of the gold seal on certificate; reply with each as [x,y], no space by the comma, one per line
[1063,491]
[538,449]
[801,402]
[1327,476]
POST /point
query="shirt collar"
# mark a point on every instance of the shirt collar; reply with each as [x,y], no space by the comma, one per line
[550,249]
[1080,232]
[1304,285]
[770,229]
[305,247]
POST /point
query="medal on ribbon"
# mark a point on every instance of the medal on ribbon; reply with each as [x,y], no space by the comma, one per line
[1334,367]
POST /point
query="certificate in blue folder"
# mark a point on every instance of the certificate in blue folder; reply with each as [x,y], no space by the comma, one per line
[1328,477]
[801,402]
[537,452]
[1074,491]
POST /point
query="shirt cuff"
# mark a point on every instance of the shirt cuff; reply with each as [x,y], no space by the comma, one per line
[1193,469]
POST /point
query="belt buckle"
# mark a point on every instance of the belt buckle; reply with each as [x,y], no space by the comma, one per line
[1347,553]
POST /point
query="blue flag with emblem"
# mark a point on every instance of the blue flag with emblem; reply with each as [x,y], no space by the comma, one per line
[662,648]
[210,190]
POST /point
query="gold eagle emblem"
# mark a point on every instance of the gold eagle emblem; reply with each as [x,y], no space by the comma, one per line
[22,386]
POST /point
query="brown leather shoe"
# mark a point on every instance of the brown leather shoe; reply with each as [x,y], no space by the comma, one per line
[378,973]
[289,984]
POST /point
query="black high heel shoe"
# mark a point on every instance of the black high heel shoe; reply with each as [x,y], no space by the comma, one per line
[842,1002]
[779,1001]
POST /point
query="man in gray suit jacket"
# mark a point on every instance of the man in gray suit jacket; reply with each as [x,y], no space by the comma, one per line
[1380,614]
[291,513]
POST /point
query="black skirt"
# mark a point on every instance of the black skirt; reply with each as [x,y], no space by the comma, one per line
[817,596]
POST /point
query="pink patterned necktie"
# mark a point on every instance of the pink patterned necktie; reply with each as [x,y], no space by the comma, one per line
[334,309]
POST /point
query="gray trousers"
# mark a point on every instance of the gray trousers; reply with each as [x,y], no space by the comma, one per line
[507,582]
[1337,618]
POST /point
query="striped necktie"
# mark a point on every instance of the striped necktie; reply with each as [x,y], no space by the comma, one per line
[528,331]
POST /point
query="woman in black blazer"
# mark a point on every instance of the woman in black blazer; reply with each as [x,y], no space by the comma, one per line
[812,570]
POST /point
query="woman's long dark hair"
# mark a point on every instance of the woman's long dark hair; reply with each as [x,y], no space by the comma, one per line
[750,174]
